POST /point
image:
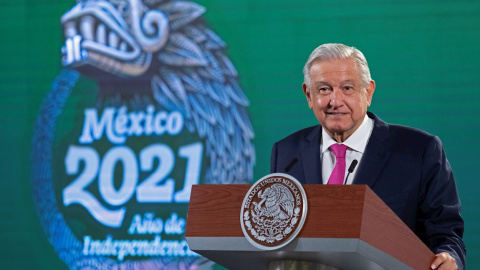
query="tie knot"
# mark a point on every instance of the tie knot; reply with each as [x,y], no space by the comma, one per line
[339,150]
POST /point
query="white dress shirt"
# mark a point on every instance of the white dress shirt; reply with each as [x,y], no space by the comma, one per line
[357,142]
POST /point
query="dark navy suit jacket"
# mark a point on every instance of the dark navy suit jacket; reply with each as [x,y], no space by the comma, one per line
[405,167]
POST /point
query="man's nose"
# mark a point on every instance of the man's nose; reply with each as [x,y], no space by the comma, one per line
[336,98]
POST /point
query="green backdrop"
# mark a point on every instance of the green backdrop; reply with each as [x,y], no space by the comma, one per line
[423,55]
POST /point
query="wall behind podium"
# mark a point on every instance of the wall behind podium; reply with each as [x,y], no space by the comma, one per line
[423,55]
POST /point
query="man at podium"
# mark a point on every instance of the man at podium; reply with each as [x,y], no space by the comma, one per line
[405,167]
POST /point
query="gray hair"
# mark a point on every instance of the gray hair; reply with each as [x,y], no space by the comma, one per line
[335,51]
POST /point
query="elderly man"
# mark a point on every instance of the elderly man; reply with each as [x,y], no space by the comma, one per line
[405,167]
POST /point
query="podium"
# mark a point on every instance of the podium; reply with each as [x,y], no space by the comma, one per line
[347,227]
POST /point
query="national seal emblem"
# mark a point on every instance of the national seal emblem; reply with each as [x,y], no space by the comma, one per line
[273,211]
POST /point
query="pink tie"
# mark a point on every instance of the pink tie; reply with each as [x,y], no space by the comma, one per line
[338,174]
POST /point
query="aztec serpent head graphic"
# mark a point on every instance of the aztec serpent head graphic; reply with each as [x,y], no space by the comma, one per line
[166,47]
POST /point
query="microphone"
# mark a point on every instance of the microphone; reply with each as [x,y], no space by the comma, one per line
[290,165]
[350,169]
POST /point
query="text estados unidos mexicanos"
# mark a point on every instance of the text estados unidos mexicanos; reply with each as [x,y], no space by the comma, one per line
[271,180]
[250,197]
[118,124]
[136,248]
[298,198]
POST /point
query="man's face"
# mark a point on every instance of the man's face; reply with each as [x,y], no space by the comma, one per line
[337,97]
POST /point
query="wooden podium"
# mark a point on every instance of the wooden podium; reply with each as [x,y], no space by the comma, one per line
[347,227]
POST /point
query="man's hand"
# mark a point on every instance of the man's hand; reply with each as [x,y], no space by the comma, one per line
[444,262]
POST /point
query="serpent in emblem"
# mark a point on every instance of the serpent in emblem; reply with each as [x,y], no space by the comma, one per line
[278,201]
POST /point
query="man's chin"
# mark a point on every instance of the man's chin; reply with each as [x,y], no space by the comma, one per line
[337,130]
[337,126]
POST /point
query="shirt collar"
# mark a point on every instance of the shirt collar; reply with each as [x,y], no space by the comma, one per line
[357,141]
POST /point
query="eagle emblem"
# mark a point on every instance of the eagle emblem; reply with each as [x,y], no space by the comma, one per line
[273,211]
[278,203]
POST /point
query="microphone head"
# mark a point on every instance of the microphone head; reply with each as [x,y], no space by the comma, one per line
[290,165]
[352,166]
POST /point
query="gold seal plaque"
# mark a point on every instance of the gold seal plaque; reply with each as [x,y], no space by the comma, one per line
[273,211]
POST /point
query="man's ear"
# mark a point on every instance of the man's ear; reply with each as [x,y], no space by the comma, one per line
[370,89]
[307,95]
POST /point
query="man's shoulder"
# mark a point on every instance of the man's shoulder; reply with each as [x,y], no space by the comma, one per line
[304,134]
[409,139]
[400,132]
[409,131]
[412,136]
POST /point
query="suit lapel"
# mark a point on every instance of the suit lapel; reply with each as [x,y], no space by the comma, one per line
[376,154]
[311,157]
